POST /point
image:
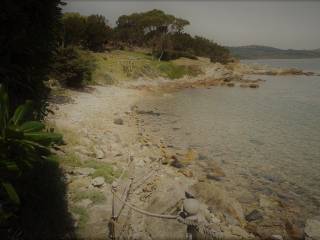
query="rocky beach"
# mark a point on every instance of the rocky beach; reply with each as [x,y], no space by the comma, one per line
[112,145]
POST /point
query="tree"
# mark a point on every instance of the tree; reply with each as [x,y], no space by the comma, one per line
[28,31]
[74,28]
[96,33]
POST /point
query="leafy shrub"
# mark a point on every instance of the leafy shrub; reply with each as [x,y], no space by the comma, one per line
[72,67]
[23,143]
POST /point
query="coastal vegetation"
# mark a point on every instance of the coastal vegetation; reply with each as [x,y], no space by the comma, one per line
[88,45]
[38,44]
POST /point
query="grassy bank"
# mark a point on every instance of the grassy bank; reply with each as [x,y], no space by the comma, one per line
[117,66]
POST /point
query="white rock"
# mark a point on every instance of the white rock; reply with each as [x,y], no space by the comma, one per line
[276,237]
[98,182]
[191,206]
[312,229]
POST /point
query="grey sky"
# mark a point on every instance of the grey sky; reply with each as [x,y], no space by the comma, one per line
[282,24]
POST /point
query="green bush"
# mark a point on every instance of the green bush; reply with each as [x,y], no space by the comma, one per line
[72,67]
[23,143]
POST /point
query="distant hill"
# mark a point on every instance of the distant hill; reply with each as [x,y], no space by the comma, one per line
[260,52]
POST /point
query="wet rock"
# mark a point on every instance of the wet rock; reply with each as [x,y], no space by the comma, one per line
[98,182]
[213,177]
[254,216]
[253,85]
[118,121]
[176,163]
[312,229]
[244,85]
[202,156]
[215,172]
[230,84]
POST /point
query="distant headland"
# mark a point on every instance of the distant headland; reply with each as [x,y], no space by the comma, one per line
[264,52]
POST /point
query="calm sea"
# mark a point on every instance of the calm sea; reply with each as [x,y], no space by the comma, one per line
[267,140]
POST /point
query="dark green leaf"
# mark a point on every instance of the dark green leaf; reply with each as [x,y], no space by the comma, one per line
[21,112]
[11,192]
[32,126]
[43,137]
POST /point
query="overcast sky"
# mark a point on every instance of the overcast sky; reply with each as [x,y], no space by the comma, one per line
[282,24]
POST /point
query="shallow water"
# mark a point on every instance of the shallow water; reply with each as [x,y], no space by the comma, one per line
[267,140]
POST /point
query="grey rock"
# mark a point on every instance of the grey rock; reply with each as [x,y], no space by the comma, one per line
[254,216]
[98,182]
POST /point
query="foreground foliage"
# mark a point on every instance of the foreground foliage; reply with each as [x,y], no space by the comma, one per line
[23,144]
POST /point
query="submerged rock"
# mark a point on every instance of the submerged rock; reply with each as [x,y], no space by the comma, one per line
[253,85]
[118,121]
[254,216]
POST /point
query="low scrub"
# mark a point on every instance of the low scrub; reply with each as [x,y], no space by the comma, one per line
[73,67]
[24,147]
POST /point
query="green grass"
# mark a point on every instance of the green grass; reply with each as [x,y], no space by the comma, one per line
[102,169]
[94,195]
[83,215]
[116,66]
[171,70]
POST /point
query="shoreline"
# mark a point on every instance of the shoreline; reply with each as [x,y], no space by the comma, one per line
[103,126]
